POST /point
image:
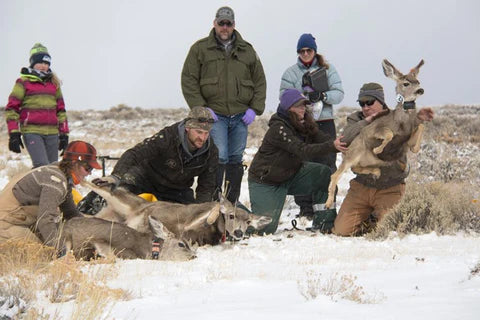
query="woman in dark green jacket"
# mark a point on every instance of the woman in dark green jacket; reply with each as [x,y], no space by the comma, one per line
[281,165]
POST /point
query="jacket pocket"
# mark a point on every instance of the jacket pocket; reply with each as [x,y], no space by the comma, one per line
[244,91]
[209,87]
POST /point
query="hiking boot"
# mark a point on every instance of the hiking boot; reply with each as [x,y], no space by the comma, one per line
[306,212]
[234,175]
[323,220]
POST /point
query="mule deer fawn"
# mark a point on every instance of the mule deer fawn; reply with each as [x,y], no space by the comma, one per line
[201,223]
[388,137]
[85,235]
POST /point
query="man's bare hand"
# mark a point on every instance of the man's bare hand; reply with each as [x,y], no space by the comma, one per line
[425,114]
[339,145]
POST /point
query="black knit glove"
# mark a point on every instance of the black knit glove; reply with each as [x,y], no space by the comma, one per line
[15,142]
[62,142]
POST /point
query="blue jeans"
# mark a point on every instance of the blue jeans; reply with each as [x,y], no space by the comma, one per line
[230,136]
[43,149]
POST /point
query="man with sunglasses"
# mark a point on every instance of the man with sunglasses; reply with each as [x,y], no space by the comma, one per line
[370,198]
[166,164]
[223,72]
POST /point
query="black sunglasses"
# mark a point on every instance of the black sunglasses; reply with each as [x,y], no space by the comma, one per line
[202,120]
[225,23]
[87,167]
[366,103]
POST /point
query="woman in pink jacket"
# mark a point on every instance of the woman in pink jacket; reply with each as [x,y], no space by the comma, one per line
[36,110]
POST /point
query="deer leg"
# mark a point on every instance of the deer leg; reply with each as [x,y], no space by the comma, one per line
[386,135]
[345,165]
[416,138]
[366,170]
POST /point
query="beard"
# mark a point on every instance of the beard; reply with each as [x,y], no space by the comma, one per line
[306,127]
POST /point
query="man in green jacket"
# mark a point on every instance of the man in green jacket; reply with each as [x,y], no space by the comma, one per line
[223,73]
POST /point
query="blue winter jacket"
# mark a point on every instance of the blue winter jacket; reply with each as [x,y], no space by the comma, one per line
[292,78]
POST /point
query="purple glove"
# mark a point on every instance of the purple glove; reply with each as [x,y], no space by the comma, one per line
[214,116]
[308,89]
[248,117]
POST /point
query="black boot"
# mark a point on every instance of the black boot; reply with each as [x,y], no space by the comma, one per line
[323,220]
[220,174]
[233,174]
[305,203]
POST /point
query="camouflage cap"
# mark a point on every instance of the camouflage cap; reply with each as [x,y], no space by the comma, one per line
[225,13]
[371,90]
[199,118]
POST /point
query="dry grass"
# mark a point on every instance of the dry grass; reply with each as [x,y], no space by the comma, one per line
[336,287]
[444,208]
[27,269]
[475,271]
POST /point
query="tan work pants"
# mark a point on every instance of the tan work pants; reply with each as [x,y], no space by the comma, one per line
[16,221]
[360,202]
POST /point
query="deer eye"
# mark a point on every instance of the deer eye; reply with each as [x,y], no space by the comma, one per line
[181,245]
[232,216]
[406,84]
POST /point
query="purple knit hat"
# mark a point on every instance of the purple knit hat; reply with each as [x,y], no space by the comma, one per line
[290,98]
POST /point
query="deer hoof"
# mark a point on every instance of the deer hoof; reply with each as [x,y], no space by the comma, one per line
[415,149]
[378,149]
[329,203]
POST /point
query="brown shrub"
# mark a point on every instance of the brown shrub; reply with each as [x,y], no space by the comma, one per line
[445,208]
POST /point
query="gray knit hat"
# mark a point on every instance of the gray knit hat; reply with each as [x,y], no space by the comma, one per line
[199,118]
[371,90]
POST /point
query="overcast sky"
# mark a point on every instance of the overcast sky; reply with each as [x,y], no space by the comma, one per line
[132,52]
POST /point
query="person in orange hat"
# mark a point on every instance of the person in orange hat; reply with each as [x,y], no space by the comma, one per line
[33,204]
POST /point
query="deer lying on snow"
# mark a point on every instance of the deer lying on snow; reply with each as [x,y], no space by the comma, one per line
[84,236]
[203,223]
[389,137]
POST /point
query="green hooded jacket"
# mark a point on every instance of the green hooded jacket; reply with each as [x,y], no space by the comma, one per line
[228,84]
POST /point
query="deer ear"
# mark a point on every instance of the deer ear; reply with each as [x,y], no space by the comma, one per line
[157,228]
[214,213]
[211,216]
[390,71]
[415,70]
[259,222]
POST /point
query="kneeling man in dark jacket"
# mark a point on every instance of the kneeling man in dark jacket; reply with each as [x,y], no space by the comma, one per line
[166,163]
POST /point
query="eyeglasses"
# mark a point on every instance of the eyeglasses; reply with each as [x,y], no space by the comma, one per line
[87,167]
[225,23]
[366,103]
[305,51]
[202,120]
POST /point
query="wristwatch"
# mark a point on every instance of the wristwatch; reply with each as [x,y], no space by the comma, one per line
[323,96]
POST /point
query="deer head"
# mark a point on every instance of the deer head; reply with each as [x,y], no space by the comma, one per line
[408,87]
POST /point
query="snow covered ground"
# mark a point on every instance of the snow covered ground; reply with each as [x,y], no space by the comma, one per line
[295,275]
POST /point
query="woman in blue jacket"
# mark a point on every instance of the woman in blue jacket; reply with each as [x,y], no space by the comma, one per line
[310,60]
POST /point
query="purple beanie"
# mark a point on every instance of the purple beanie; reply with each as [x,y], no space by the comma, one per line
[290,97]
[306,41]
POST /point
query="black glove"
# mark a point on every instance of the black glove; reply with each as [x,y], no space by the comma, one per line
[62,142]
[15,142]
